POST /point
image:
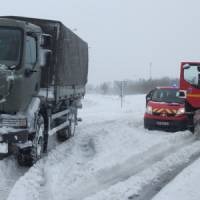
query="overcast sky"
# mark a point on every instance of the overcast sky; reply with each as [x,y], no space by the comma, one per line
[125,36]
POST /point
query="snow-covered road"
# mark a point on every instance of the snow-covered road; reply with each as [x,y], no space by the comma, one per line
[111,157]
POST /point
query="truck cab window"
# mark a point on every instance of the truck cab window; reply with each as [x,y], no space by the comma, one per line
[191,75]
[31,50]
[10,46]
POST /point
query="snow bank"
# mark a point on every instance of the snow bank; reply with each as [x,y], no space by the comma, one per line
[184,186]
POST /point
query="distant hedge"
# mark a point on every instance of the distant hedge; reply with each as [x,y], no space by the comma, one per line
[140,86]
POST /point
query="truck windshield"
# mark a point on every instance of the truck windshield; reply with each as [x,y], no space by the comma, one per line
[10,45]
[167,95]
[192,74]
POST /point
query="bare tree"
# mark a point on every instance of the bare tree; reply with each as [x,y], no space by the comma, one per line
[104,87]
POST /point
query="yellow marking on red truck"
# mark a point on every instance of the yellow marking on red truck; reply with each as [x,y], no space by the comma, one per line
[193,95]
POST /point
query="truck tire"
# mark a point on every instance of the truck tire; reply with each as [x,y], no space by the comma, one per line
[191,129]
[147,126]
[69,131]
[29,156]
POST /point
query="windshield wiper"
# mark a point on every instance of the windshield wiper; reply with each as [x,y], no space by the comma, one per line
[5,67]
[12,67]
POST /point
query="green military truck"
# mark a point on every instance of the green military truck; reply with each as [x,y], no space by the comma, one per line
[43,73]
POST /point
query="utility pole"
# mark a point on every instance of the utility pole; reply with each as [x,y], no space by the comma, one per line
[121,92]
[150,69]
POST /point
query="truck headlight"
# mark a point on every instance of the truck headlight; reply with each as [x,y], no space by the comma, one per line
[149,110]
[180,111]
[14,122]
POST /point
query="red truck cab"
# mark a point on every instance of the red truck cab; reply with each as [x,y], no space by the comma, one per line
[190,91]
[190,83]
[165,110]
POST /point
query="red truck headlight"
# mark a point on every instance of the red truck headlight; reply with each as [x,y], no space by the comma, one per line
[180,111]
[149,110]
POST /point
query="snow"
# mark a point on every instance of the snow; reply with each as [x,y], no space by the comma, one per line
[3,148]
[43,93]
[4,130]
[32,110]
[184,186]
[110,157]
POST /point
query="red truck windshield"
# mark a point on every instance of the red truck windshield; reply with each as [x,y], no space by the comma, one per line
[191,74]
[166,95]
[10,45]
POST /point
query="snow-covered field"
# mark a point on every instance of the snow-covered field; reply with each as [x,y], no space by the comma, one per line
[111,157]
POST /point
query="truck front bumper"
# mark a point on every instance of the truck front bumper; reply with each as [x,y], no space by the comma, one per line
[12,139]
[15,136]
[167,125]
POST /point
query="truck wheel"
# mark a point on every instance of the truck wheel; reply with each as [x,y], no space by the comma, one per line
[27,157]
[147,126]
[69,131]
[191,129]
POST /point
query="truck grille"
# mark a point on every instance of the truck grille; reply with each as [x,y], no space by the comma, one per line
[14,122]
[164,114]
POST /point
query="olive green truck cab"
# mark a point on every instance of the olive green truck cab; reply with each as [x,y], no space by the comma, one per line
[43,73]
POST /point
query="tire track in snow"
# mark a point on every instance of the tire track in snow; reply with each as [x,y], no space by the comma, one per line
[139,162]
[87,146]
[145,184]
[148,191]
[121,172]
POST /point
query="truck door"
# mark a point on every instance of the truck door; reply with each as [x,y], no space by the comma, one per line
[31,81]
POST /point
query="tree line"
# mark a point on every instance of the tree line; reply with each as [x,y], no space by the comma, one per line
[127,87]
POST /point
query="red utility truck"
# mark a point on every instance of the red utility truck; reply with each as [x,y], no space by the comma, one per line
[165,110]
[190,92]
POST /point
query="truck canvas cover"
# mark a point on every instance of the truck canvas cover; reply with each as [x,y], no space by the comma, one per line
[69,65]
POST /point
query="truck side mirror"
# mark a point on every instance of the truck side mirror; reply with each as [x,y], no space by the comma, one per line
[46,41]
[149,95]
[148,98]
[186,66]
[45,58]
